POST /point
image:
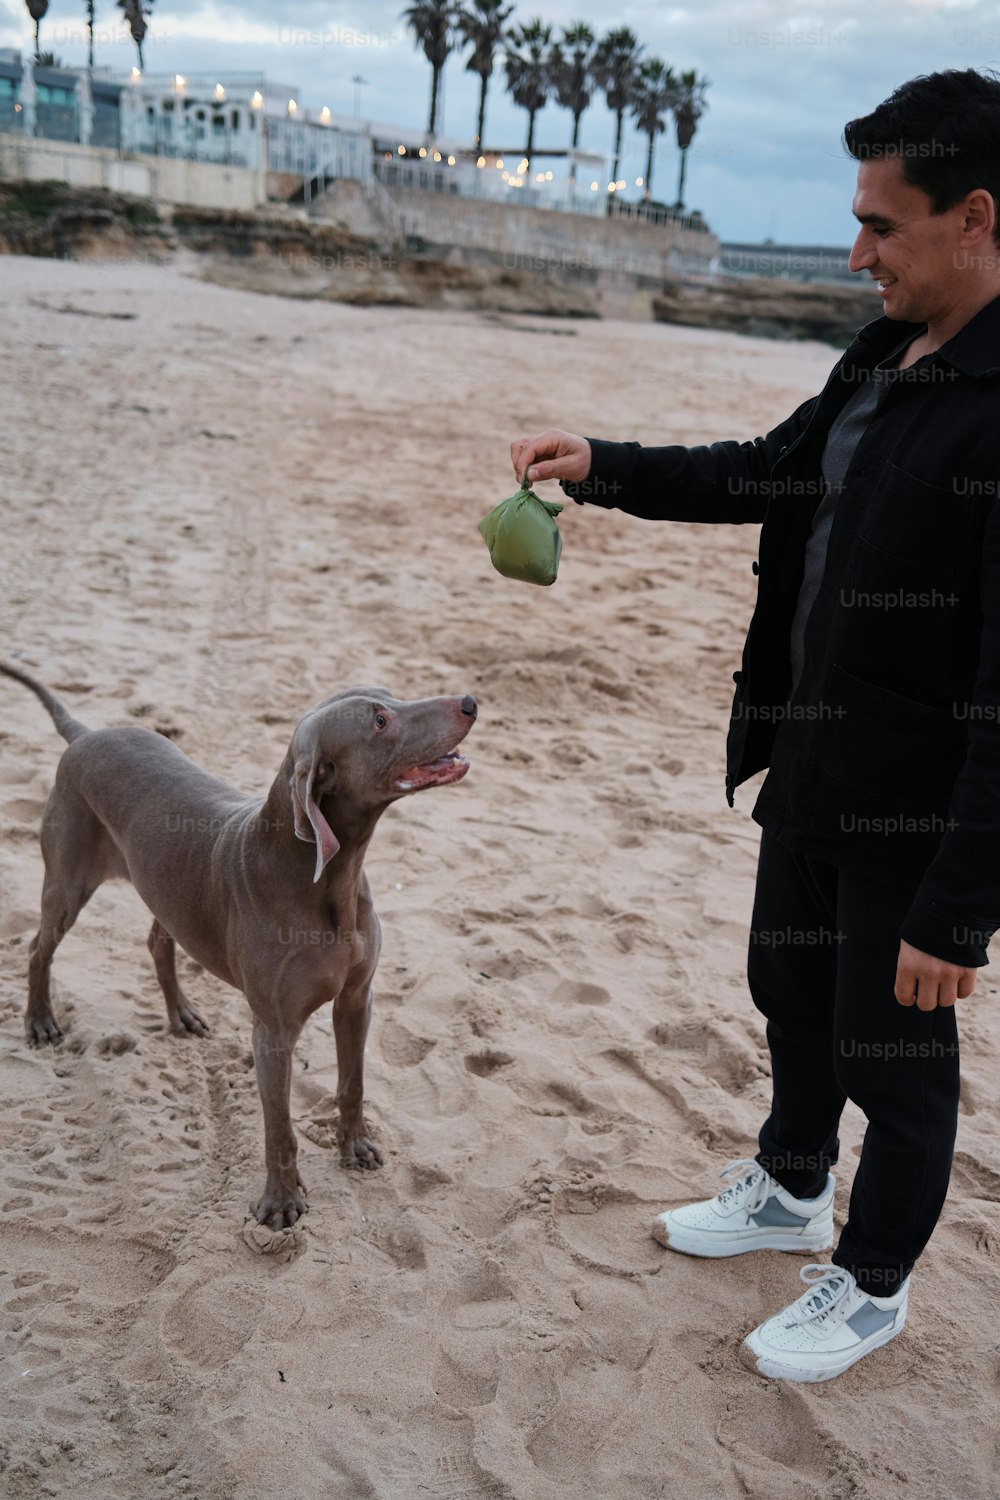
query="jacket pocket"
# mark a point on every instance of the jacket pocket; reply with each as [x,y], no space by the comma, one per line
[912,521]
[884,766]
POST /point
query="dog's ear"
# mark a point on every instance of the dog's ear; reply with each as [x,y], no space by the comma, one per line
[308,782]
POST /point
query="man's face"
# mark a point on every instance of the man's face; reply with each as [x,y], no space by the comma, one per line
[914,255]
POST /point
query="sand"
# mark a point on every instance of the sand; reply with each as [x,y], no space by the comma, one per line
[216,512]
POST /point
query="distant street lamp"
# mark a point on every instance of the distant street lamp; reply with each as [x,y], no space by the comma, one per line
[357,80]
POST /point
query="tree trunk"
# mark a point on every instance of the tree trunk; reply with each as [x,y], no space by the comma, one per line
[482,111]
[142,65]
[618,144]
[90,35]
[38,49]
[531,139]
[435,78]
[649,166]
[576,129]
[680,183]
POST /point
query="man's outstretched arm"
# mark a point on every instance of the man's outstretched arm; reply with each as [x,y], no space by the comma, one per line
[719,482]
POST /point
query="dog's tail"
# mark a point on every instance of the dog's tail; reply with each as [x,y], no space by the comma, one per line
[70,728]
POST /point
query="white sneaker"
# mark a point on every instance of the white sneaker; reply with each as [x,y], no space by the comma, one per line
[753,1214]
[828,1329]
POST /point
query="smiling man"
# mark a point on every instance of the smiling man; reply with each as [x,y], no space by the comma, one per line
[870,688]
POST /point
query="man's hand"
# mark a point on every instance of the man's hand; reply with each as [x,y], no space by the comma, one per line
[930,981]
[567,456]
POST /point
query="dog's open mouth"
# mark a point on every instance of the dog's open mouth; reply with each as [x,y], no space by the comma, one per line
[450,767]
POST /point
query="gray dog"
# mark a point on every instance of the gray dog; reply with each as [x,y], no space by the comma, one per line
[230,878]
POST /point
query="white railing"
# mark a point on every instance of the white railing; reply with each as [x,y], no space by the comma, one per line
[487,184]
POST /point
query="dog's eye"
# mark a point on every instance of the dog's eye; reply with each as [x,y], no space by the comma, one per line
[381,720]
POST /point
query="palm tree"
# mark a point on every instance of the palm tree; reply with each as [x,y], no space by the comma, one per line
[688,108]
[529,71]
[571,72]
[616,62]
[433,24]
[655,92]
[483,25]
[36,10]
[135,13]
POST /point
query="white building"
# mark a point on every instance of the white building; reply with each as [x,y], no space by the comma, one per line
[247,120]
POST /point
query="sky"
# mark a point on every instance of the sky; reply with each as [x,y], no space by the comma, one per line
[767,161]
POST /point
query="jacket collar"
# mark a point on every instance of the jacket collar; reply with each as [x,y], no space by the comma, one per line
[974,350]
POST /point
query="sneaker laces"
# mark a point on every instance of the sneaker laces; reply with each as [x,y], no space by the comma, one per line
[827,1284]
[755,1184]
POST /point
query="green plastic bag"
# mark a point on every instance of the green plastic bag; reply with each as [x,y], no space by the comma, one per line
[523,537]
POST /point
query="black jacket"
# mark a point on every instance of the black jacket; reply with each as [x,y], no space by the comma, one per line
[887,756]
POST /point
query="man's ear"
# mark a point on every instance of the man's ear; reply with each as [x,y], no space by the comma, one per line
[308,782]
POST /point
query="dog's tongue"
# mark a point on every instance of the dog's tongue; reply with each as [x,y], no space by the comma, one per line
[440,772]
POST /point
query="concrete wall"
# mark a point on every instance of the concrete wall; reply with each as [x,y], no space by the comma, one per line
[167,179]
[522,238]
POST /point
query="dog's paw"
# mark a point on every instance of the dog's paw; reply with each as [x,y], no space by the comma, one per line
[280,1209]
[185,1020]
[42,1028]
[357,1152]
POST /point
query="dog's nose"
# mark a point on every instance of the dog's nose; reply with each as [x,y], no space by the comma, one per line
[469,706]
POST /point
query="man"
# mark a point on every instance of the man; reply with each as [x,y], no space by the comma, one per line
[870,687]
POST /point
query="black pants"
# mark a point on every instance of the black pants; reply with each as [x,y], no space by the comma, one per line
[822,966]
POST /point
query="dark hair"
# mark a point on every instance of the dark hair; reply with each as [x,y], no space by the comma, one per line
[945,128]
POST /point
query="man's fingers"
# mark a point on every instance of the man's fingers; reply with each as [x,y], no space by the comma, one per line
[927,994]
[520,452]
[935,981]
[524,451]
[906,979]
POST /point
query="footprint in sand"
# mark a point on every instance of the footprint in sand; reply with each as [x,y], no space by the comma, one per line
[467,1369]
[976,1178]
[607,1229]
[24,809]
[722,1053]
[485,1064]
[207,1324]
[18,923]
[578,992]
[402,1048]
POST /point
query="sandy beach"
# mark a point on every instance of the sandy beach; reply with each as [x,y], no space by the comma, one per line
[219,507]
